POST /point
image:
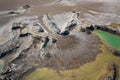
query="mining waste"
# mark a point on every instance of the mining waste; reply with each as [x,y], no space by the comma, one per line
[59,40]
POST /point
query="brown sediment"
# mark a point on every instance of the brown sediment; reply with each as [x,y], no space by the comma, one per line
[40,7]
[36,49]
[64,41]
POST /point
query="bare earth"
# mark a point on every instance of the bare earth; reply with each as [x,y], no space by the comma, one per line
[47,33]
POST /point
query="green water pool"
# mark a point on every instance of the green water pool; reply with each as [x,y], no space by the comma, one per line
[109,39]
[1,66]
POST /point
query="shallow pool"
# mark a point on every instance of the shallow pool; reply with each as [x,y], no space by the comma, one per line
[109,39]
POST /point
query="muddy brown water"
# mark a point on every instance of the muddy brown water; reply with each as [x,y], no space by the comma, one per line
[40,7]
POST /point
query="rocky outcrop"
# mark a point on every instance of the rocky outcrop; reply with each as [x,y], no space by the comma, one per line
[62,22]
[58,44]
[51,25]
[14,12]
[103,28]
[116,53]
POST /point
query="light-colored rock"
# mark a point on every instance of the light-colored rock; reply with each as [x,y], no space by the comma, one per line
[38,49]
[62,22]
[50,24]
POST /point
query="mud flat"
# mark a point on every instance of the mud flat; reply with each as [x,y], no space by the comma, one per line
[29,44]
[93,70]
[51,37]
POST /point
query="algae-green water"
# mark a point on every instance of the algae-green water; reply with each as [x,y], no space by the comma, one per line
[1,66]
[109,39]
